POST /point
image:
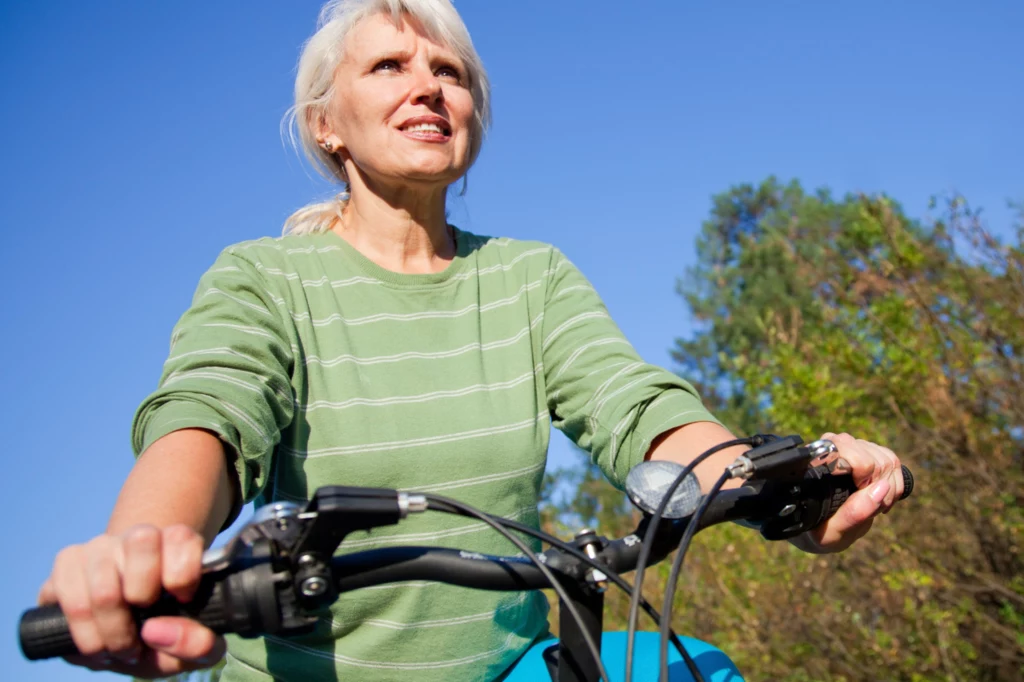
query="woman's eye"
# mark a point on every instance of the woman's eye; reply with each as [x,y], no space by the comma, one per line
[387,65]
[449,72]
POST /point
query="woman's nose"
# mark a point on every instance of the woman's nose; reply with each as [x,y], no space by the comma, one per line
[426,88]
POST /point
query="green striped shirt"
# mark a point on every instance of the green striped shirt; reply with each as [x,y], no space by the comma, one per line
[320,367]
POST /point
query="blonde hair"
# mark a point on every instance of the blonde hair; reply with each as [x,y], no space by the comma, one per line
[314,86]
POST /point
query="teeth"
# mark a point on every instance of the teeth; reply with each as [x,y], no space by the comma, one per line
[424,127]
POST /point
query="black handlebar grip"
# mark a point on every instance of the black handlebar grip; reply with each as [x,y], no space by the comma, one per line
[43,631]
[908,483]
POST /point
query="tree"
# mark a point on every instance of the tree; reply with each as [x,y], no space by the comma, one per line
[820,314]
[816,313]
[737,277]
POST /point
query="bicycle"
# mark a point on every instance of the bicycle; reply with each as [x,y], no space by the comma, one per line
[279,570]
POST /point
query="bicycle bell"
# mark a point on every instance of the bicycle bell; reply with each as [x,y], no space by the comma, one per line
[648,482]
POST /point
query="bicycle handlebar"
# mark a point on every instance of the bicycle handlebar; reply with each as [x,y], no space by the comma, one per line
[256,594]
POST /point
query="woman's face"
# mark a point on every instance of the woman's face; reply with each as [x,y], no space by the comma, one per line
[402,109]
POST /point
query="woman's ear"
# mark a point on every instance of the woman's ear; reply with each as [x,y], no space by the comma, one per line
[323,131]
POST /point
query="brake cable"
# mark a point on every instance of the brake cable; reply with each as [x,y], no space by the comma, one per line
[617,579]
[771,457]
[677,564]
[450,506]
[648,543]
[440,503]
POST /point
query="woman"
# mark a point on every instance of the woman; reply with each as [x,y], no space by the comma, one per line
[375,344]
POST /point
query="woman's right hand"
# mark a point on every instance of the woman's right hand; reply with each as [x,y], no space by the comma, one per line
[97,583]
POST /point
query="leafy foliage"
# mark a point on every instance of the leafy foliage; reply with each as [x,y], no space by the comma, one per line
[817,314]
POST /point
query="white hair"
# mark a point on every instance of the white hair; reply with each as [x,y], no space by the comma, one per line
[314,86]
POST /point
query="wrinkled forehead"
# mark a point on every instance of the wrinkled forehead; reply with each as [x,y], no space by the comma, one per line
[383,32]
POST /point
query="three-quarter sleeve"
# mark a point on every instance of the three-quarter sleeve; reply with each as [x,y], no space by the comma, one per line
[228,372]
[600,393]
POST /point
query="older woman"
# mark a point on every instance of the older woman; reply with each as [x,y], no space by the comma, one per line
[375,344]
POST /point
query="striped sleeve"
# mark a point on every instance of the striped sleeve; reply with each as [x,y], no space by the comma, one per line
[600,393]
[229,372]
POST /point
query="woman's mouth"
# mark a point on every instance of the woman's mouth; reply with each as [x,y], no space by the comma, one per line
[427,131]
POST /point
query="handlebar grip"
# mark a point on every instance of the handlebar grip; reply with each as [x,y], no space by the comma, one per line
[908,483]
[43,631]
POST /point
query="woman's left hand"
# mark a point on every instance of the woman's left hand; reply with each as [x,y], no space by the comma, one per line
[876,471]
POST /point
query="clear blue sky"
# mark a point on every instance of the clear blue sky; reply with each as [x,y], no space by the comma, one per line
[140,138]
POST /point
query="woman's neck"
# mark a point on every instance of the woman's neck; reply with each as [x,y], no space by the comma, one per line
[402,230]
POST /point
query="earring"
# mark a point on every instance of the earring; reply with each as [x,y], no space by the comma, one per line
[329,146]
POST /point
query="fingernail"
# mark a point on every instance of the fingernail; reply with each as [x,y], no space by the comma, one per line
[161,634]
[879,491]
[842,465]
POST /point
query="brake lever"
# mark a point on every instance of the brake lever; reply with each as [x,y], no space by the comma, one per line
[816,497]
[276,522]
[795,470]
[298,542]
[823,453]
[271,578]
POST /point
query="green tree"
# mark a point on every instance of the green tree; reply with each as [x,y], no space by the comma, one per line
[816,313]
[827,314]
[732,284]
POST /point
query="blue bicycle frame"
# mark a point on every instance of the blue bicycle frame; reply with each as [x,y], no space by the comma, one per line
[714,665]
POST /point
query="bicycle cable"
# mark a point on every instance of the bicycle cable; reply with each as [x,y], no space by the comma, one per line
[648,542]
[677,564]
[464,509]
[617,579]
